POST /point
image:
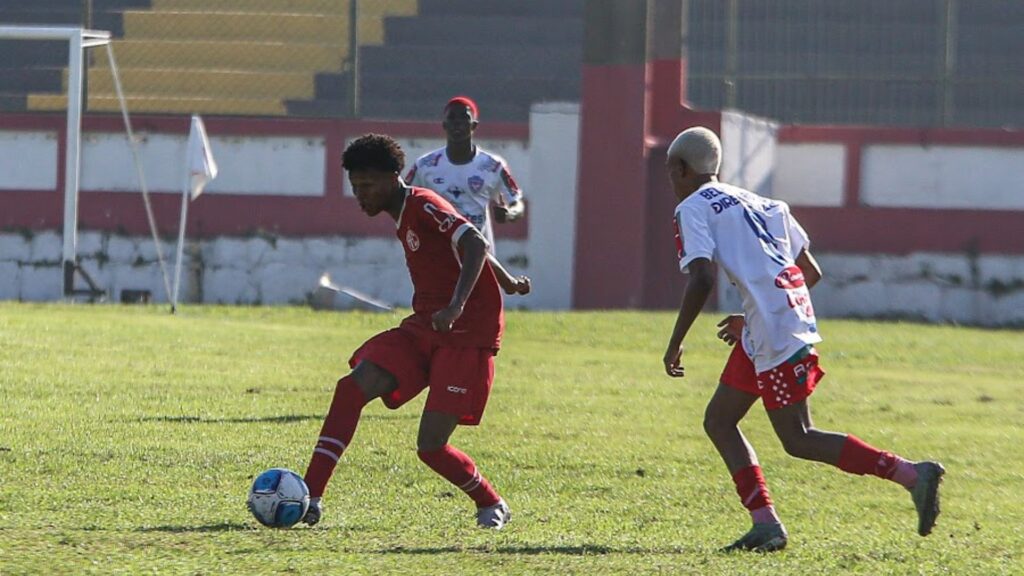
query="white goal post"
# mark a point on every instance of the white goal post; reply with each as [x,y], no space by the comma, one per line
[79,40]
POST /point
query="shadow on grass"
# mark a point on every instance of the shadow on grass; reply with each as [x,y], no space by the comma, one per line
[581,550]
[222,527]
[286,419]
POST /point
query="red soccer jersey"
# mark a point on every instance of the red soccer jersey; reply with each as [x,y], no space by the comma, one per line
[429,228]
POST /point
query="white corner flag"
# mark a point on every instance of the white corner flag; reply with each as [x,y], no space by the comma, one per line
[201,169]
[201,166]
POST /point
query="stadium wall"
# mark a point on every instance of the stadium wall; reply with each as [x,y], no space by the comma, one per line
[927,222]
[277,217]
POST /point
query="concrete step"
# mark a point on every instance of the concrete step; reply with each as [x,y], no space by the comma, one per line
[166,105]
[183,82]
[483,30]
[239,56]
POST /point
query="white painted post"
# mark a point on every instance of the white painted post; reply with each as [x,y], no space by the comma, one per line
[72,158]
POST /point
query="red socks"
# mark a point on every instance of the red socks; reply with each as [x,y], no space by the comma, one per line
[857,457]
[753,492]
[459,469]
[335,435]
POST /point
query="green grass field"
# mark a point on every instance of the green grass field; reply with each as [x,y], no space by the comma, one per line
[129,438]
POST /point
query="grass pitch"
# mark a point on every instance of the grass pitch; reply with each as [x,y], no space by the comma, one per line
[129,438]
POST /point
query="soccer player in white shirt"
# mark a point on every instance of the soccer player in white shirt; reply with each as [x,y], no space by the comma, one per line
[764,251]
[474,180]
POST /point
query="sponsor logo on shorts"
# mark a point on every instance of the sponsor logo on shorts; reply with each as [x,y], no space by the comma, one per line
[457,390]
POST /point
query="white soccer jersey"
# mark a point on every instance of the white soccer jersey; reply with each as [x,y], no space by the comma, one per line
[470,187]
[756,241]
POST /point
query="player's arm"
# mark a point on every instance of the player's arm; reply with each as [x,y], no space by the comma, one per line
[473,250]
[508,205]
[809,266]
[509,283]
[698,288]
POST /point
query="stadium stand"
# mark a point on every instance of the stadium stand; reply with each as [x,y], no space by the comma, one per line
[506,54]
[223,56]
[798,61]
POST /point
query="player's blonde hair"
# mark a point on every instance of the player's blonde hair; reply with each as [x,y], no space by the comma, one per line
[700,148]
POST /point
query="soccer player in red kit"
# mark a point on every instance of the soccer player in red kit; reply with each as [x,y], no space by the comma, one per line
[765,252]
[446,346]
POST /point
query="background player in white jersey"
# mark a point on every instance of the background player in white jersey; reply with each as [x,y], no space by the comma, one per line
[477,182]
[765,253]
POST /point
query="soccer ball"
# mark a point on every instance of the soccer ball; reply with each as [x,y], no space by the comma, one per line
[278,498]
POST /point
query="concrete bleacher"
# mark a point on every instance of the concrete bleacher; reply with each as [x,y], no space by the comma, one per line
[507,55]
[221,56]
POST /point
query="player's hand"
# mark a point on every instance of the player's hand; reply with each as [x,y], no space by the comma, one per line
[443,319]
[673,362]
[731,329]
[520,286]
[500,214]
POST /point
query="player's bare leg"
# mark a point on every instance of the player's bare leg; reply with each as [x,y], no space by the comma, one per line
[436,429]
[801,439]
[366,382]
[721,423]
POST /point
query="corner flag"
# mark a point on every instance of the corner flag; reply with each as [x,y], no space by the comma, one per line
[201,166]
[201,169]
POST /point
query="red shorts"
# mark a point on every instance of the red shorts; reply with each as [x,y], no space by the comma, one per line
[788,383]
[459,379]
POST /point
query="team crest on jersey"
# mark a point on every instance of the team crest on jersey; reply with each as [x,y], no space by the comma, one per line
[412,240]
[476,183]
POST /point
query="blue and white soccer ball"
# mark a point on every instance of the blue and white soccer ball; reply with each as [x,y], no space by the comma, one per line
[278,498]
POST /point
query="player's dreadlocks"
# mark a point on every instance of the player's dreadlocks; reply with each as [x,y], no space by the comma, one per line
[374,152]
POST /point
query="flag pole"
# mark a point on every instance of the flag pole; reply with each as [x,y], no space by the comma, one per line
[200,168]
[181,242]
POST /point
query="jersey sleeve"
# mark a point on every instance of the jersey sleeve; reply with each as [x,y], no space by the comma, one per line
[441,218]
[798,238]
[505,191]
[694,236]
[412,177]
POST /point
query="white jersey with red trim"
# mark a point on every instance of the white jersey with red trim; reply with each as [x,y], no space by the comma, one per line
[756,241]
[470,187]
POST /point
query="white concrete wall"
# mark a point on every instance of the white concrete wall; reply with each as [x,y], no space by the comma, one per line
[254,270]
[28,160]
[554,159]
[970,177]
[810,174]
[986,290]
[749,147]
[285,165]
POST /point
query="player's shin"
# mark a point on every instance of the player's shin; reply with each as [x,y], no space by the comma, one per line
[753,492]
[335,434]
[459,469]
[858,457]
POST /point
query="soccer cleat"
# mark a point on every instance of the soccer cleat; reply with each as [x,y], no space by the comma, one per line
[493,517]
[313,513]
[926,495]
[761,538]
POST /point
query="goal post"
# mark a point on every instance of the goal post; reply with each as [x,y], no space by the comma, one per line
[79,40]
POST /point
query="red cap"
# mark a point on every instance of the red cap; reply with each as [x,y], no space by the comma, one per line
[464,101]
